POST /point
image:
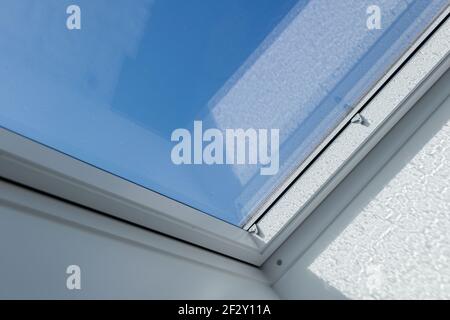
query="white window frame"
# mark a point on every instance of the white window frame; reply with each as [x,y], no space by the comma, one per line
[27,162]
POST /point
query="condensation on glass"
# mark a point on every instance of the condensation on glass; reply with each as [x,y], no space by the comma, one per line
[112,92]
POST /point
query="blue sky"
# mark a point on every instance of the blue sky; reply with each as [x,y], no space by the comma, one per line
[111,93]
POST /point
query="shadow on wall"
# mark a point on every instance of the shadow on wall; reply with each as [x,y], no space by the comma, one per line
[390,239]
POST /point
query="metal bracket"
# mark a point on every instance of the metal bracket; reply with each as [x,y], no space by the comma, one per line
[359,119]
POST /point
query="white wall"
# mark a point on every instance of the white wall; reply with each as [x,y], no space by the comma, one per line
[383,233]
[41,236]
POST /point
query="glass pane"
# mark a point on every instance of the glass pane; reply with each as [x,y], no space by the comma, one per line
[136,87]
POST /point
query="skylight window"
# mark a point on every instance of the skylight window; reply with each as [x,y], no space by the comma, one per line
[213,104]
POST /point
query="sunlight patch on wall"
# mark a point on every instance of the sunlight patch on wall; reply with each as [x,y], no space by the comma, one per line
[398,247]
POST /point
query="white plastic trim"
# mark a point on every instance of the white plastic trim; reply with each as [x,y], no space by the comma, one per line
[45,169]
[356,140]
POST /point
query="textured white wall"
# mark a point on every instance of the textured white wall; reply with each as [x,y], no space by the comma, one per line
[392,240]
[399,245]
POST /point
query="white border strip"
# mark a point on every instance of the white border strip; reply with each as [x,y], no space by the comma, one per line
[35,165]
[356,140]
[357,180]
[272,198]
